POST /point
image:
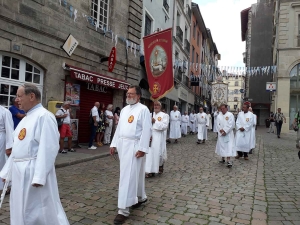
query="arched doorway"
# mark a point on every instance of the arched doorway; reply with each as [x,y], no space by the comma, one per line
[15,71]
[294,93]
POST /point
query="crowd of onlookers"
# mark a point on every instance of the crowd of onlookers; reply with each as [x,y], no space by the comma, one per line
[103,124]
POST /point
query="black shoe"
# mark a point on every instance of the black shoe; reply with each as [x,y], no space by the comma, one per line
[250,151]
[63,151]
[222,161]
[229,164]
[137,205]
[278,136]
[168,141]
[299,154]
[120,219]
[176,141]
[198,142]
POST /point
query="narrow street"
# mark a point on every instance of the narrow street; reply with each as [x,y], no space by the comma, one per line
[195,188]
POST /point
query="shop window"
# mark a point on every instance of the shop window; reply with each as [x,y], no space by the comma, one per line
[236,83]
[99,11]
[15,72]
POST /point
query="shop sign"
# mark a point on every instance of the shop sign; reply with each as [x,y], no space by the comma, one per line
[112,59]
[70,45]
[95,87]
[103,81]
[183,94]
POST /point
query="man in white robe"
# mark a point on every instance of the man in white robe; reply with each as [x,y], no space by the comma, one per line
[216,113]
[244,125]
[184,123]
[131,139]
[34,197]
[192,122]
[203,122]
[175,118]
[225,143]
[210,121]
[253,138]
[6,137]
[160,124]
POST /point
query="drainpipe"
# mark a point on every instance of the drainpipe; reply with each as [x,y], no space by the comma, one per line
[277,43]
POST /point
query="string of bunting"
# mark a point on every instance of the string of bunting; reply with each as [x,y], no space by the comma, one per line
[106,31]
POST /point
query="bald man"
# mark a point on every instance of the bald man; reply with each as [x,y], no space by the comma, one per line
[94,121]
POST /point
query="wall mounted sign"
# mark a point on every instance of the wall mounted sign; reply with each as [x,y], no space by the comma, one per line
[70,45]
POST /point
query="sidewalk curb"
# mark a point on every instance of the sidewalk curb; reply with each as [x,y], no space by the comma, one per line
[64,164]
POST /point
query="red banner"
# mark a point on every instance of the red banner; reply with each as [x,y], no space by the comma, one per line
[158,63]
[112,59]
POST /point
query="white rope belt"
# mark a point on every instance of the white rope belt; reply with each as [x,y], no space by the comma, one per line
[132,139]
[24,159]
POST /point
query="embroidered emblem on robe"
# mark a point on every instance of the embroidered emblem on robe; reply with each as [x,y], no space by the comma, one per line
[247,119]
[22,134]
[159,118]
[130,119]
[226,118]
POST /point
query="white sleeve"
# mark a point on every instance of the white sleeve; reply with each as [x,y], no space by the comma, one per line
[46,134]
[9,129]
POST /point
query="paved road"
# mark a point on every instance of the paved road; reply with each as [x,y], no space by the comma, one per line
[195,188]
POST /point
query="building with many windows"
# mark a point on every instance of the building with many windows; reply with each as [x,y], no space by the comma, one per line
[236,85]
[286,56]
[32,33]
[181,49]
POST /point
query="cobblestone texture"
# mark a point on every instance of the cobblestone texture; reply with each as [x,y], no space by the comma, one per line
[194,189]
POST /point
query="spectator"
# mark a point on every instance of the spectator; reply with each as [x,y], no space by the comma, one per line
[116,118]
[17,114]
[108,124]
[272,123]
[94,121]
[101,126]
[279,118]
[65,113]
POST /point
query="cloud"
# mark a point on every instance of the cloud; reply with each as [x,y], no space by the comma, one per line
[223,18]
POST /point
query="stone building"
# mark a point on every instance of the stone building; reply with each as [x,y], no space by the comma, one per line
[257,31]
[235,97]
[287,58]
[32,33]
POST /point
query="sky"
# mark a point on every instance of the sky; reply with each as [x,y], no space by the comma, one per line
[223,18]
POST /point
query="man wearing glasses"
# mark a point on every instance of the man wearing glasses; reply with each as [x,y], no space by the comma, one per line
[131,140]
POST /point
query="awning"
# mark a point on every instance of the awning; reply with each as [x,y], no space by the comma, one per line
[97,78]
[173,95]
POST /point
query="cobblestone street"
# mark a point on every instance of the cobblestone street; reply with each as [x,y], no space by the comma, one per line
[194,189]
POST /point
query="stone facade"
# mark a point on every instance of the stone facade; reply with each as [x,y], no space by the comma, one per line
[286,56]
[36,30]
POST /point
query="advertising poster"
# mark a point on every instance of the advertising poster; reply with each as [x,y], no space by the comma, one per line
[74,129]
[73,93]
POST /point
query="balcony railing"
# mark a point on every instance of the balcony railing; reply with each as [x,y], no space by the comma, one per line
[179,33]
[166,5]
[187,45]
[188,11]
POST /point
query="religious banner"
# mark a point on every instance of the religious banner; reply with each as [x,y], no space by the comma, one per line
[219,93]
[158,63]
